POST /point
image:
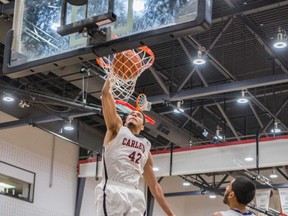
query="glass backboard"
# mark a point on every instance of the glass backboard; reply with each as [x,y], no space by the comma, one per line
[137,23]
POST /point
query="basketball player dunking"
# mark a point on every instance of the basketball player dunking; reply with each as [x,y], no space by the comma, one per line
[126,156]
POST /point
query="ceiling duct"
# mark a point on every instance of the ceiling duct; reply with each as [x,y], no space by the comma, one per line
[163,129]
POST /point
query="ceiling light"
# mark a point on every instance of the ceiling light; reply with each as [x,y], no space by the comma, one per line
[242,99]
[212,196]
[199,60]
[186,183]
[281,39]
[155,169]
[276,129]
[249,159]
[273,174]
[68,126]
[4,185]
[218,135]
[178,109]
[8,98]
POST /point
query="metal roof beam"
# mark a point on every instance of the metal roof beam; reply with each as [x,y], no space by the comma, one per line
[41,120]
[278,112]
[267,46]
[249,9]
[158,79]
[269,113]
[211,47]
[220,89]
[263,41]
[259,36]
[220,108]
[197,104]
[222,181]
[228,121]
[225,72]
[193,120]
[257,117]
[206,85]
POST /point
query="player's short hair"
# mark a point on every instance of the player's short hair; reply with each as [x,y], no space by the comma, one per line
[244,189]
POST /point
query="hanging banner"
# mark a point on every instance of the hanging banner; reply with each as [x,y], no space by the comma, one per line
[283,193]
[262,200]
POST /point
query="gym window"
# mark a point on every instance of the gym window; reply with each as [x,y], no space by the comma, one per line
[16,182]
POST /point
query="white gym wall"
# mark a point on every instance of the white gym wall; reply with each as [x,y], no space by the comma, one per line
[31,148]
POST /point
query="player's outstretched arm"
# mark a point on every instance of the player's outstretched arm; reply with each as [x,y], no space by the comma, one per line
[154,186]
[112,119]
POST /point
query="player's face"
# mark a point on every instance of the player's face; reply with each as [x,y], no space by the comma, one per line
[227,192]
[135,118]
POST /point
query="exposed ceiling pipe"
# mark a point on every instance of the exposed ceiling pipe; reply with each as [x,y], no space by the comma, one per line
[220,89]
[63,101]
[40,120]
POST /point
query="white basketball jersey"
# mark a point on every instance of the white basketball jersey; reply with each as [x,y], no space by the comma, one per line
[125,157]
[234,213]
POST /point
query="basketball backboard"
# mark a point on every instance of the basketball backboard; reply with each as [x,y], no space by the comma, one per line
[103,26]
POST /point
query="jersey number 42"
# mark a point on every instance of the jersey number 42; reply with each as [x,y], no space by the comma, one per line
[135,157]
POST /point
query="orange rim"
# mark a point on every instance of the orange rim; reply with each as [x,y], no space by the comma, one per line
[149,51]
[138,107]
[101,62]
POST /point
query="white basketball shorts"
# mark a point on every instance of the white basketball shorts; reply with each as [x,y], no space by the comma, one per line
[120,200]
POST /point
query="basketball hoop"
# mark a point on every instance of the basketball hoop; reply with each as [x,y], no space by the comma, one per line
[124,68]
[142,103]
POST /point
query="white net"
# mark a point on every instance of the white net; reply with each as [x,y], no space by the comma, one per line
[142,103]
[124,68]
